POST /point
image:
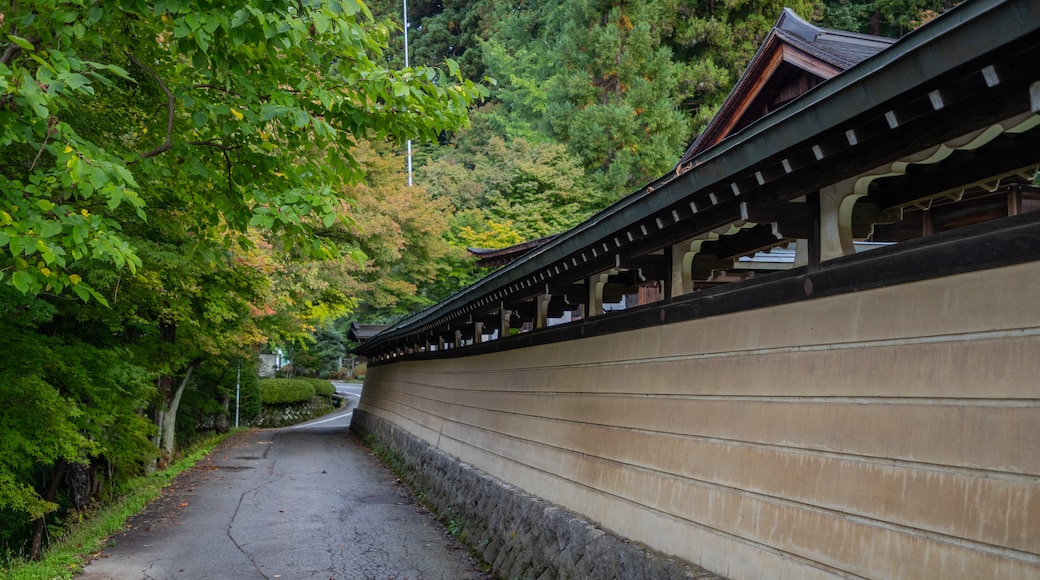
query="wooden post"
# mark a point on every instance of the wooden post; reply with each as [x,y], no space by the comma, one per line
[813,250]
[1014,200]
[541,319]
[667,285]
[835,217]
[503,325]
[595,287]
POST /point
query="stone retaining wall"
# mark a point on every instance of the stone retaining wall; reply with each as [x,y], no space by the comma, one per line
[521,536]
[285,415]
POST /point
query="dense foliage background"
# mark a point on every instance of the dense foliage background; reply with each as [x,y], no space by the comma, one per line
[186,183]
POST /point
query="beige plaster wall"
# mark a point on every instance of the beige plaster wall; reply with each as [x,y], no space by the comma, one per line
[892,433]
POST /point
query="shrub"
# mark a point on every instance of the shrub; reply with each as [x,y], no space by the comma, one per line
[321,386]
[285,391]
[359,371]
[339,375]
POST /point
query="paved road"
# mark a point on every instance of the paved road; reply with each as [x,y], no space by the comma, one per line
[305,502]
[348,389]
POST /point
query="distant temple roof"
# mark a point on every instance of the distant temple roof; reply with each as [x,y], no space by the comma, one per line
[795,57]
[499,257]
[363,332]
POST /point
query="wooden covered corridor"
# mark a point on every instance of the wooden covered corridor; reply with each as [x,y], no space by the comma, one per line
[785,404]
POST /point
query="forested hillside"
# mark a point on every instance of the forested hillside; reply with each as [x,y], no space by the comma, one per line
[183,185]
[591,100]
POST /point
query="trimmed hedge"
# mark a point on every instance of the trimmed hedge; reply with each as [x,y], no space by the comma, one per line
[321,386]
[285,391]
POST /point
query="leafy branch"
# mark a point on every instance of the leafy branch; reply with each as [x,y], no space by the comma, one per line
[170,107]
[15,47]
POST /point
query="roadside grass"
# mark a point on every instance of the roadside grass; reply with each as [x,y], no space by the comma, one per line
[85,539]
[389,457]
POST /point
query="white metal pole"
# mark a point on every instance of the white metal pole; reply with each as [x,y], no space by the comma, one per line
[409,163]
[405,10]
[238,389]
[405,3]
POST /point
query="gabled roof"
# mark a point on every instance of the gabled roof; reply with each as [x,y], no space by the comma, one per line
[500,256]
[363,332]
[794,57]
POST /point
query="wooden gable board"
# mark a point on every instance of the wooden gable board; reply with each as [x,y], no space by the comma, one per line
[795,57]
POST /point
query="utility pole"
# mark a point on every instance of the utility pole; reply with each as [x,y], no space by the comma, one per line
[405,2]
[238,390]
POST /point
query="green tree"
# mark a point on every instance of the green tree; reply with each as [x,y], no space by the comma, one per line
[401,231]
[533,190]
[162,165]
[68,404]
[456,33]
[321,354]
[441,30]
[891,18]
[246,97]
[624,85]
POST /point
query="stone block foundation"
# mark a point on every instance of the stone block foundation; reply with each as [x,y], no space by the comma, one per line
[519,535]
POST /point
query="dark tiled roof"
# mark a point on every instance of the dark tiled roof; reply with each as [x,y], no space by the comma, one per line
[837,48]
[853,48]
[363,332]
[500,256]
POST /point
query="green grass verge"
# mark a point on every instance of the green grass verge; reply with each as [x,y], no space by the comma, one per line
[68,555]
[389,457]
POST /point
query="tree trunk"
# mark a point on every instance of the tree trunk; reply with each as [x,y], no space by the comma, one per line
[222,422]
[49,495]
[80,483]
[166,416]
[169,395]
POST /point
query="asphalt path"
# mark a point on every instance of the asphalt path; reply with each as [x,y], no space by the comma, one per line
[305,502]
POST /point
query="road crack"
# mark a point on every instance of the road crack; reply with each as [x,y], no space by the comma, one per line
[231,537]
